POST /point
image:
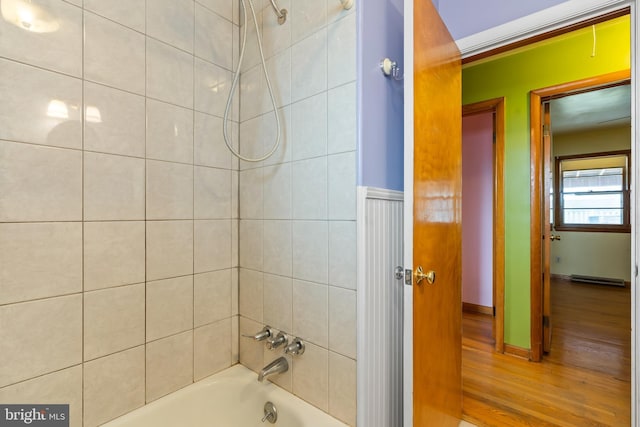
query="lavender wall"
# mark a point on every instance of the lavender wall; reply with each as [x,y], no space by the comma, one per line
[380,99]
[466,17]
[477,209]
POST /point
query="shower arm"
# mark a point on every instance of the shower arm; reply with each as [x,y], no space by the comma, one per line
[281,13]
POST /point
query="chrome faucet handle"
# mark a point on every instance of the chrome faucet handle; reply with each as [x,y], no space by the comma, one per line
[262,335]
[296,347]
[280,339]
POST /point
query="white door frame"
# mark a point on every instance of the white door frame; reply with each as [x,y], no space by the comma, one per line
[559,16]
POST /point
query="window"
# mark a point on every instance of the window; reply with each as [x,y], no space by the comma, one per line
[593,192]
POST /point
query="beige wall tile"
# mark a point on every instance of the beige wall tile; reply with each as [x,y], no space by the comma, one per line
[251,352]
[39,260]
[105,60]
[342,254]
[251,288]
[169,307]
[114,121]
[212,245]
[212,348]
[342,186]
[172,22]
[343,127]
[251,244]
[169,73]
[277,192]
[309,189]
[113,187]
[114,254]
[214,38]
[342,388]
[40,337]
[51,106]
[251,194]
[235,339]
[169,365]
[207,77]
[113,385]
[212,297]
[169,249]
[59,50]
[169,190]
[277,247]
[39,183]
[209,147]
[63,386]
[342,321]
[169,132]
[310,251]
[114,320]
[310,312]
[212,198]
[130,13]
[311,376]
[278,302]
[341,64]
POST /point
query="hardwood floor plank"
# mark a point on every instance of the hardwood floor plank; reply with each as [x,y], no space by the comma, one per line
[583,381]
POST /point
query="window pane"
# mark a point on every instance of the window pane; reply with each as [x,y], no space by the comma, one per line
[593,180]
[593,208]
[593,216]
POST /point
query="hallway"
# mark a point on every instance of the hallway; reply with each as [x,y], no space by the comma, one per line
[584,381]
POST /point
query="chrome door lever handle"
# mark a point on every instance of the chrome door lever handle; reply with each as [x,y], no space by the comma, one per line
[420,275]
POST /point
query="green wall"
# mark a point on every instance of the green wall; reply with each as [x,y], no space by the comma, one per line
[562,59]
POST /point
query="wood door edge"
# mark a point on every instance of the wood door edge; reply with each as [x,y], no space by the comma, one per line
[497,106]
[536,98]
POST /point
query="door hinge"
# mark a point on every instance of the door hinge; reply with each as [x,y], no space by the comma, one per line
[545,321]
[545,130]
[495,137]
[494,311]
[636,270]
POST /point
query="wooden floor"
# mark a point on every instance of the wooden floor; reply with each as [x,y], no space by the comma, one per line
[583,381]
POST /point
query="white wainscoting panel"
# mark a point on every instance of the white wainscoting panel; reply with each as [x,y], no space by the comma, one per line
[380,302]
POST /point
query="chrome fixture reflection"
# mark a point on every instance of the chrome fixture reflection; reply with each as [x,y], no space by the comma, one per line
[28,16]
[347,4]
[57,109]
[270,413]
[391,69]
[92,114]
[281,13]
[280,339]
[296,347]
[262,335]
[234,84]
[278,366]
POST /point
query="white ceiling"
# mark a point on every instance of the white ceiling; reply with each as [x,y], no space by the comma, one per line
[591,110]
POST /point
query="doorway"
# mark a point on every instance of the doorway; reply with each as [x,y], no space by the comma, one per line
[542,207]
[483,189]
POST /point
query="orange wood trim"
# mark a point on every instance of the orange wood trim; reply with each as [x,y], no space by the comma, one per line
[499,229]
[536,227]
[517,351]
[468,307]
[497,105]
[536,99]
[547,35]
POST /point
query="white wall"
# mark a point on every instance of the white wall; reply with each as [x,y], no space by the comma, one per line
[592,254]
[477,209]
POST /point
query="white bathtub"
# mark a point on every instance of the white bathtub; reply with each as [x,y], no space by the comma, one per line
[231,398]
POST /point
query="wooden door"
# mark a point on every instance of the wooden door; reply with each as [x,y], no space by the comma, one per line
[437,247]
[547,236]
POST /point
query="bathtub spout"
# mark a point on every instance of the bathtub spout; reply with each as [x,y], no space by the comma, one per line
[276,367]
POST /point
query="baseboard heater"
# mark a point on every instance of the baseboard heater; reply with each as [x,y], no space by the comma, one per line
[597,280]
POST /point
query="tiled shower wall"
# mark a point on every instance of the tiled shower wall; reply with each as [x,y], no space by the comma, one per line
[118,201]
[298,208]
